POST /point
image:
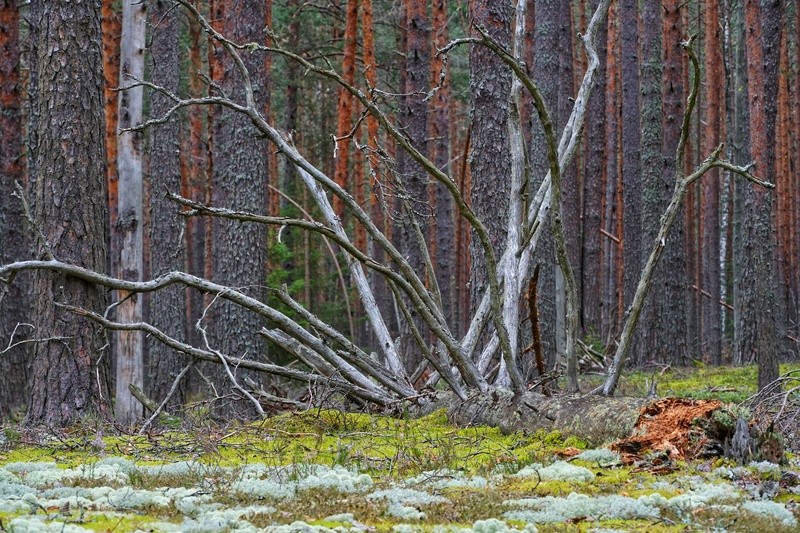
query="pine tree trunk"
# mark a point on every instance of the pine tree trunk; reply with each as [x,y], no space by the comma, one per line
[594,178]
[442,233]
[112,32]
[758,334]
[194,176]
[344,110]
[632,238]
[545,64]
[166,307]
[239,181]
[69,375]
[13,234]
[665,337]
[413,120]
[784,181]
[569,175]
[611,315]
[711,318]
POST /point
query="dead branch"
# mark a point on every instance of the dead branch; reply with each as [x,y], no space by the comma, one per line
[203,355]
[157,411]
[536,331]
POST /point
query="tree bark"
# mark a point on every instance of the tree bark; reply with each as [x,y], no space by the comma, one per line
[489,162]
[413,120]
[665,338]
[787,194]
[594,178]
[344,110]
[239,181]
[711,318]
[112,32]
[611,316]
[378,201]
[654,180]
[13,239]
[167,253]
[632,238]
[442,233]
[545,64]
[69,374]
[758,335]
[596,419]
[127,234]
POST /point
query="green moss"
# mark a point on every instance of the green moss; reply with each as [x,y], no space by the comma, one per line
[725,383]
[389,449]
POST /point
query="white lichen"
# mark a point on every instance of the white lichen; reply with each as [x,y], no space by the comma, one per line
[447,479]
[404,512]
[600,456]
[339,479]
[345,518]
[703,495]
[558,471]
[773,510]
[406,496]
[767,470]
[552,509]
[299,527]
[8,477]
[493,525]
[265,488]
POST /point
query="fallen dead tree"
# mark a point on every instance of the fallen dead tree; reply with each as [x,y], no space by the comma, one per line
[655,432]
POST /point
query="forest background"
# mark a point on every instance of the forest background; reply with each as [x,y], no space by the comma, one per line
[725,291]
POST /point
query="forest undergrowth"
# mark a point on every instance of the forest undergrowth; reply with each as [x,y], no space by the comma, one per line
[324,470]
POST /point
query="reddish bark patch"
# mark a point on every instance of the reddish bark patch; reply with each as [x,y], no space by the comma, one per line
[668,425]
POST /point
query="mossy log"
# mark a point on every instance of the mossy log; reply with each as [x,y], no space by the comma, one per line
[682,428]
[596,419]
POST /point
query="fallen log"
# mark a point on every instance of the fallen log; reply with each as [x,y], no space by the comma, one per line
[680,427]
[594,418]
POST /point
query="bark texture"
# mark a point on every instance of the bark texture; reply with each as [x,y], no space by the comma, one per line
[239,181]
[112,30]
[546,60]
[13,237]
[166,308]
[632,238]
[757,306]
[711,318]
[593,181]
[413,120]
[489,160]
[596,419]
[665,338]
[194,175]
[611,315]
[655,182]
[344,108]
[127,235]
[442,233]
[69,377]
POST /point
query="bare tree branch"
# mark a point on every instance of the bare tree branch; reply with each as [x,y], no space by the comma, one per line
[167,398]
[277,370]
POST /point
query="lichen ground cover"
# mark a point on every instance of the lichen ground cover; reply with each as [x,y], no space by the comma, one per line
[329,471]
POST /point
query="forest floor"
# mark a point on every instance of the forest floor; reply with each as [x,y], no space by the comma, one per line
[323,470]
